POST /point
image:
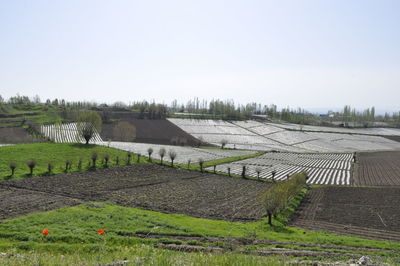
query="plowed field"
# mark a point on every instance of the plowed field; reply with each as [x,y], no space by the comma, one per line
[146,186]
[377,169]
[365,212]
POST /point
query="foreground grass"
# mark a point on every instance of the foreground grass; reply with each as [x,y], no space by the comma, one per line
[57,154]
[73,234]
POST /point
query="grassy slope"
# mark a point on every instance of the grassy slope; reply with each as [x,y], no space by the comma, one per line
[73,232]
[57,153]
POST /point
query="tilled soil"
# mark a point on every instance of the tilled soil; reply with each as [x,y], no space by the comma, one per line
[377,169]
[146,186]
[366,212]
[159,131]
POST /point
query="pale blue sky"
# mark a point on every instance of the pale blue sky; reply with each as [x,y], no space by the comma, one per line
[308,53]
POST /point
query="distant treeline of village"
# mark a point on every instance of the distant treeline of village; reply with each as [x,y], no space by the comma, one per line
[203,109]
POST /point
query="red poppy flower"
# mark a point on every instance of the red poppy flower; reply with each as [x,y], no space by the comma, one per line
[45,232]
[101,231]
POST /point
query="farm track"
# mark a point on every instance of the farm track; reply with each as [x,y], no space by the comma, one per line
[147,186]
[248,241]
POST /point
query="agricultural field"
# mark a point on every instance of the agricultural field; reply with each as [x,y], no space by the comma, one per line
[322,168]
[377,169]
[66,133]
[183,153]
[271,136]
[363,131]
[359,211]
[55,153]
[147,186]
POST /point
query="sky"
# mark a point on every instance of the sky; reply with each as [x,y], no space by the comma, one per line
[312,54]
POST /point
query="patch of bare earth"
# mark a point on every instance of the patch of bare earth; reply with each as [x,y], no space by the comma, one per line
[365,212]
[147,186]
[377,169]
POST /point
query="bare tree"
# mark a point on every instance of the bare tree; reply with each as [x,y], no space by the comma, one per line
[258,171]
[223,143]
[50,167]
[150,152]
[201,162]
[273,199]
[172,156]
[31,164]
[106,159]
[94,157]
[12,166]
[124,131]
[162,152]
[88,124]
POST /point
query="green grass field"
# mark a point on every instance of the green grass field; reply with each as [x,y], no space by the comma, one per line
[57,154]
[73,238]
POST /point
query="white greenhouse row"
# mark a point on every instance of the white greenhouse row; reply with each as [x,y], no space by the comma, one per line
[287,137]
[322,169]
[66,133]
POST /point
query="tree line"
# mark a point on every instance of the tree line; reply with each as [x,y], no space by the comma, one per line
[214,109]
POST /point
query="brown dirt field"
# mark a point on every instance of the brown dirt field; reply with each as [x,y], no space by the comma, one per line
[146,186]
[16,202]
[14,135]
[159,131]
[377,169]
[365,212]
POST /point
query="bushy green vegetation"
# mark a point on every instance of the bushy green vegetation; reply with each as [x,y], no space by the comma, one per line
[276,197]
[73,233]
[57,154]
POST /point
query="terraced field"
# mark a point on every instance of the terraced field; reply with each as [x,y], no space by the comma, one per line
[183,153]
[65,133]
[287,137]
[323,169]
